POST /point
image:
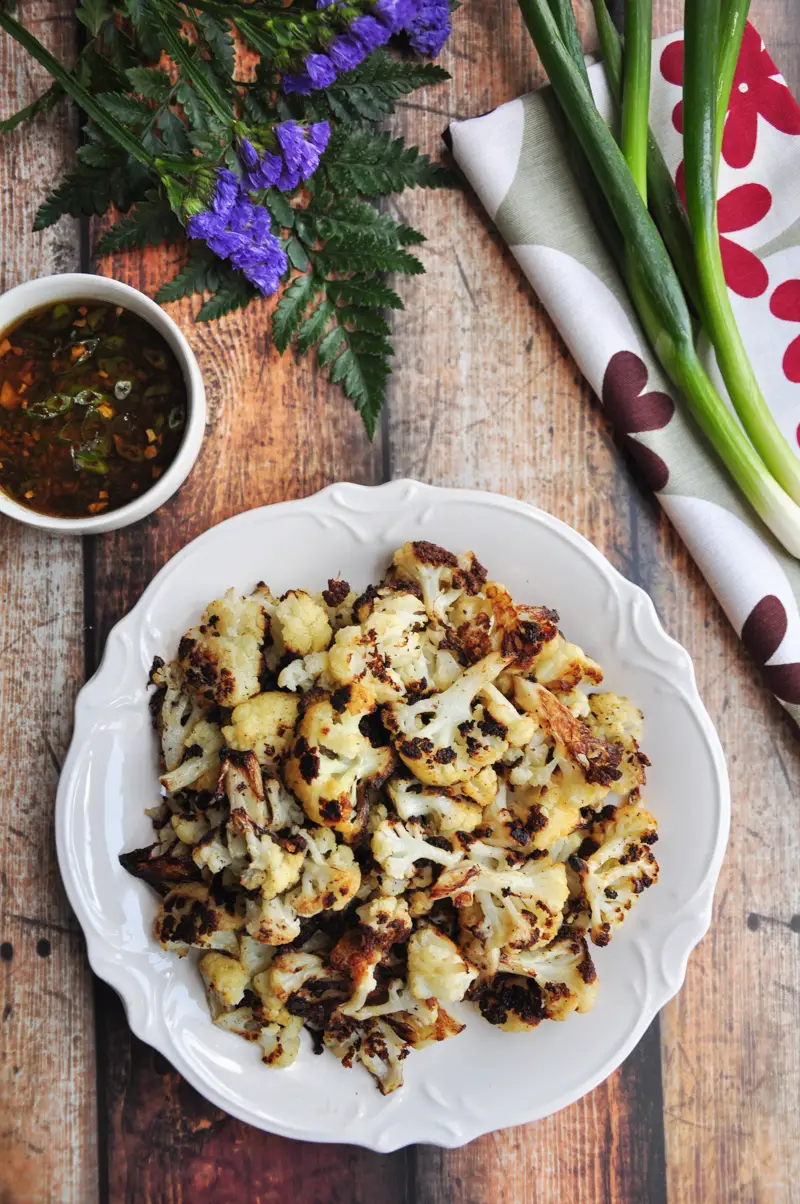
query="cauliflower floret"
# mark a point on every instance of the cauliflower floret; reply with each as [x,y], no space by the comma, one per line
[178,713]
[616,720]
[521,903]
[396,846]
[280,1043]
[264,724]
[400,999]
[443,739]
[436,968]
[512,1003]
[286,975]
[221,658]
[384,653]
[383,922]
[493,622]
[562,666]
[189,916]
[519,728]
[598,759]
[272,921]
[302,674]
[269,867]
[284,811]
[254,956]
[447,813]
[622,866]
[212,853]
[242,781]
[333,759]
[190,827]
[298,625]
[331,876]
[563,970]
[338,600]
[225,980]
[441,576]
[382,1052]
[200,769]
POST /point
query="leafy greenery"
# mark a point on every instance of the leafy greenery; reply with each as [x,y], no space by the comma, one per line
[166,107]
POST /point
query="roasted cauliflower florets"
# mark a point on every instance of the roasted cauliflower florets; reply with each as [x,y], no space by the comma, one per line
[621,867]
[331,875]
[221,658]
[446,739]
[430,761]
[396,846]
[446,813]
[441,577]
[334,759]
[563,970]
[264,725]
[436,967]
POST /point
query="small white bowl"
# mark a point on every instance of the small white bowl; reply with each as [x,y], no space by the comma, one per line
[36,294]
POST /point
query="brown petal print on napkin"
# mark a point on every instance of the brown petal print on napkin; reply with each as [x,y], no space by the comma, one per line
[632,411]
[763,631]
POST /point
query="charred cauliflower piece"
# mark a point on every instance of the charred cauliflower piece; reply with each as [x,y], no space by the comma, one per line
[263,725]
[611,878]
[330,878]
[383,922]
[436,967]
[445,812]
[177,715]
[221,658]
[298,626]
[562,666]
[190,917]
[336,755]
[441,577]
[225,978]
[447,738]
[264,864]
[616,720]
[598,759]
[199,768]
[563,971]
[384,652]
[397,846]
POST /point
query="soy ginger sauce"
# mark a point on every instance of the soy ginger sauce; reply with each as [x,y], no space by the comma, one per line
[92,408]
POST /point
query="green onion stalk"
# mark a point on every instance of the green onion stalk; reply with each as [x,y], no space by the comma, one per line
[653,283]
[702,138]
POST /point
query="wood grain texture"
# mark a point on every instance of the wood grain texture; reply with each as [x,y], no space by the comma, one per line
[486,395]
[47,1087]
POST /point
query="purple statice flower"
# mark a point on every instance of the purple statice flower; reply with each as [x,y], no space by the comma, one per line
[319,73]
[346,52]
[299,151]
[429,29]
[369,33]
[238,230]
[397,15]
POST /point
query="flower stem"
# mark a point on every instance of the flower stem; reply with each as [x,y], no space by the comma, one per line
[700,141]
[76,90]
[180,54]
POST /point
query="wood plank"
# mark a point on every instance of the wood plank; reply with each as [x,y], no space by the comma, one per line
[47,1096]
[277,431]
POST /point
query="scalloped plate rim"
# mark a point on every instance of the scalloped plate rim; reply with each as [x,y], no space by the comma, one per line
[697,911]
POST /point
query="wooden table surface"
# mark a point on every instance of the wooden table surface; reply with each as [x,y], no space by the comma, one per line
[706,1109]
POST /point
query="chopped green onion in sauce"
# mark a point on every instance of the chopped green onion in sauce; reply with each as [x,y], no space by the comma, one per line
[92,408]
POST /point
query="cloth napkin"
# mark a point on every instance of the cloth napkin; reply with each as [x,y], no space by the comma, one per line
[514,158]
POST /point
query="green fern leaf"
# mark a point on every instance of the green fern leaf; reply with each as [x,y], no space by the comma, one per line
[42,105]
[370,163]
[291,308]
[151,222]
[201,274]
[233,292]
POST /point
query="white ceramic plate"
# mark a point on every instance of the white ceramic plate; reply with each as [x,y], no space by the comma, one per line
[483,1079]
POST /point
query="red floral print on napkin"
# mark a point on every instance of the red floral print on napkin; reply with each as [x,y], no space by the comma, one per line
[785,304]
[762,635]
[755,93]
[632,411]
[739,209]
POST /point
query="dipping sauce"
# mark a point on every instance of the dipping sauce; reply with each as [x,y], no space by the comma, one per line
[92,408]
